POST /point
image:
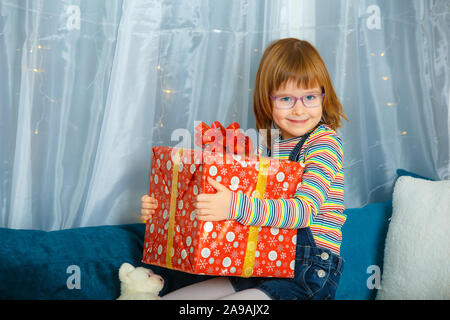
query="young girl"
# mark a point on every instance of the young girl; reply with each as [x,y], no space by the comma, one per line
[294,94]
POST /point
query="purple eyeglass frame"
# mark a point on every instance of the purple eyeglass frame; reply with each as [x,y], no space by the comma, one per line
[296,99]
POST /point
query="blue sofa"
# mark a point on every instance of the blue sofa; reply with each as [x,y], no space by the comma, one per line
[83,263]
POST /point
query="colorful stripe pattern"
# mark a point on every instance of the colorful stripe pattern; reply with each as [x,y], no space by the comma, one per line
[319,201]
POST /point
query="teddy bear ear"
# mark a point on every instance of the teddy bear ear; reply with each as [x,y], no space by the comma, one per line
[124,270]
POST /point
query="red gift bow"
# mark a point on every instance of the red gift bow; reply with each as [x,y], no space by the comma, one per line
[219,139]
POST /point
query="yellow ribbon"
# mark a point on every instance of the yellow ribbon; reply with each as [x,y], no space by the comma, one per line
[249,260]
[173,206]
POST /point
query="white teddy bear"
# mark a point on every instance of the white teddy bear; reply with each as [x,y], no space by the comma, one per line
[139,283]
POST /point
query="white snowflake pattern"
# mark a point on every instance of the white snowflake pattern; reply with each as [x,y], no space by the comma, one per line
[204,236]
[259,272]
[224,271]
[270,266]
[223,171]
[202,264]
[272,241]
[283,255]
[213,245]
[277,189]
[216,253]
[234,254]
[227,247]
[291,178]
[261,246]
[240,236]
[237,262]
[235,166]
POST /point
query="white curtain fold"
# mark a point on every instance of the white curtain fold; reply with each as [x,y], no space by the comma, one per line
[87,87]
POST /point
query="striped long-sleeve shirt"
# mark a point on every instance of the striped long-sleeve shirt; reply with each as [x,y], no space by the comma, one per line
[318,202]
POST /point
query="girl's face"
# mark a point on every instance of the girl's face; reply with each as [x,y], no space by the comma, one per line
[298,120]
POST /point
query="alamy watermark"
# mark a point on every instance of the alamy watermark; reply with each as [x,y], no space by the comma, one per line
[374,280]
[74,280]
[224,146]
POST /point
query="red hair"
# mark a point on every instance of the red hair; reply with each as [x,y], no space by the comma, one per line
[296,60]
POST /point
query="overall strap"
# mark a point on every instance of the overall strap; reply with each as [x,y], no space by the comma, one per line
[295,153]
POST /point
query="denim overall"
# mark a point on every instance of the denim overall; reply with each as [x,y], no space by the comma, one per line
[317,270]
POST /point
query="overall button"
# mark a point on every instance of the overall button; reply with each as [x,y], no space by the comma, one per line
[324,256]
[321,273]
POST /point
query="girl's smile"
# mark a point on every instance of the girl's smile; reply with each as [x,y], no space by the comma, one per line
[298,120]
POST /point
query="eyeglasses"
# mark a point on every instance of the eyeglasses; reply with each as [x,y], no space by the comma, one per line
[288,102]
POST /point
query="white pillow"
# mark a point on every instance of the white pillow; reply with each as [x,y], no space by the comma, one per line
[417,251]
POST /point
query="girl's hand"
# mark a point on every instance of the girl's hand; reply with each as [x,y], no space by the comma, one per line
[149,205]
[213,207]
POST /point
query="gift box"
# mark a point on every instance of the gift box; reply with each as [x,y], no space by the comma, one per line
[175,239]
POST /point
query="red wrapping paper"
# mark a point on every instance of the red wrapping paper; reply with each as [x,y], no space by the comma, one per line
[175,239]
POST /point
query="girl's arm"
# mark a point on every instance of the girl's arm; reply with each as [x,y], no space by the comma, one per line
[323,161]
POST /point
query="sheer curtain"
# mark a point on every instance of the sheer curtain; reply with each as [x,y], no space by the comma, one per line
[87,87]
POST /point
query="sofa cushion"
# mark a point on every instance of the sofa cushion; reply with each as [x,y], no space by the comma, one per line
[79,263]
[362,247]
[417,257]
[363,236]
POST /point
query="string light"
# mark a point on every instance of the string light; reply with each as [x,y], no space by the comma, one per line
[385,78]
